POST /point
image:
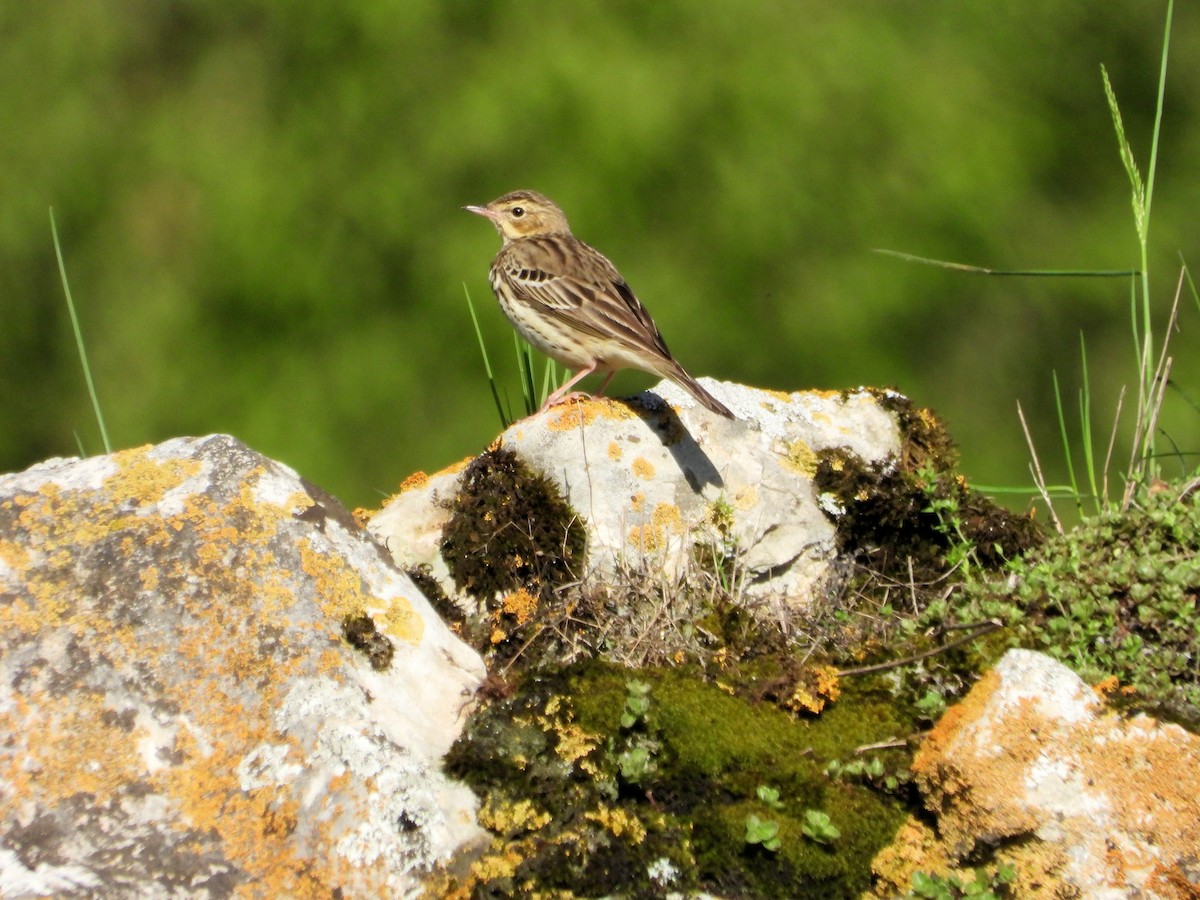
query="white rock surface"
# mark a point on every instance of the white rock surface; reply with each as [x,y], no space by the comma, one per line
[179,712]
[652,475]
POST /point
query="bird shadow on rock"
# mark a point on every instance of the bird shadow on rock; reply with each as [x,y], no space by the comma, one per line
[693,462]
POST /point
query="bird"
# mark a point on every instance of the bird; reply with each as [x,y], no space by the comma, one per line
[568,301]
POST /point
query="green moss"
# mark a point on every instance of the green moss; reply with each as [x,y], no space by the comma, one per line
[1117,596]
[511,530]
[711,751]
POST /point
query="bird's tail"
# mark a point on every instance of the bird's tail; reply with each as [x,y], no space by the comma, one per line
[693,387]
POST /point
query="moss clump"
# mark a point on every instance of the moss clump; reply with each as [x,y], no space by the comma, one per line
[511,530]
[645,800]
[446,608]
[1117,596]
[361,634]
[915,517]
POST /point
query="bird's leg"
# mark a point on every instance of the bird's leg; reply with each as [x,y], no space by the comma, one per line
[561,396]
[604,383]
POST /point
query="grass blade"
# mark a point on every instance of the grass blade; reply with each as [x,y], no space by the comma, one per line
[487,364]
[1062,428]
[1085,424]
[87,369]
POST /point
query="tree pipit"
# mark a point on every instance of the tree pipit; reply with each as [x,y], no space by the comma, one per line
[571,303]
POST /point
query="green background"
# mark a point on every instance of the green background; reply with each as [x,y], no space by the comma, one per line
[259,209]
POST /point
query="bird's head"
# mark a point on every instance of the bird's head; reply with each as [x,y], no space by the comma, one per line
[523,214]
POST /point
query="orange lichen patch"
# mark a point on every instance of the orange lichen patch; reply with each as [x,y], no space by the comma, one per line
[643,468]
[297,502]
[1144,775]
[917,848]
[216,650]
[512,819]
[414,481]
[144,481]
[666,521]
[501,864]
[578,413]
[783,396]
[340,593]
[933,747]
[69,745]
[50,608]
[1106,686]
[816,687]
[573,742]
[254,827]
[638,502]
[519,607]
[614,451]
[801,458]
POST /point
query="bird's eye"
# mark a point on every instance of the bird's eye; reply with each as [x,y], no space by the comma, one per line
[518,211]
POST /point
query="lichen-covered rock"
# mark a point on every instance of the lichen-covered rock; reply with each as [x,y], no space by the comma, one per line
[1079,800]
[181,710]
[658,483]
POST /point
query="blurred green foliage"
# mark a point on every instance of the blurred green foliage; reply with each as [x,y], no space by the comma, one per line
[259,208]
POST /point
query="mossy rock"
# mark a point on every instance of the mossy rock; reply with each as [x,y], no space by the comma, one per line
[556,746]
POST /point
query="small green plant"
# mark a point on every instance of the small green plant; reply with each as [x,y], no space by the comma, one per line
[637,703]
[870,771]
[721,555]
[960,551]
[984,886]
[634,749]
[931,704]
[636,763]
[763,832]
[817,827]
[769,796]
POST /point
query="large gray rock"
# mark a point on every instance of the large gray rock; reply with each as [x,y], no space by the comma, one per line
[180,713]
[657,475]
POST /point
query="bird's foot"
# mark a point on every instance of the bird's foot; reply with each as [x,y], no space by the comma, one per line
[566,398]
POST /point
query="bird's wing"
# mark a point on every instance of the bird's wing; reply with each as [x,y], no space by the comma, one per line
[578,286]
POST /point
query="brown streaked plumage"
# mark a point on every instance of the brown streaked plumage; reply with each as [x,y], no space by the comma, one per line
[571,303]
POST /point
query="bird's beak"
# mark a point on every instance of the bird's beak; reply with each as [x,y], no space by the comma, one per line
[481,211]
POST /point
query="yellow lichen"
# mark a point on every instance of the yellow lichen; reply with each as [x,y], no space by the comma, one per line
[666,521]
[618,822]
[643,468]
[574,743]
[512,819]
[801,458]
[401,621]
